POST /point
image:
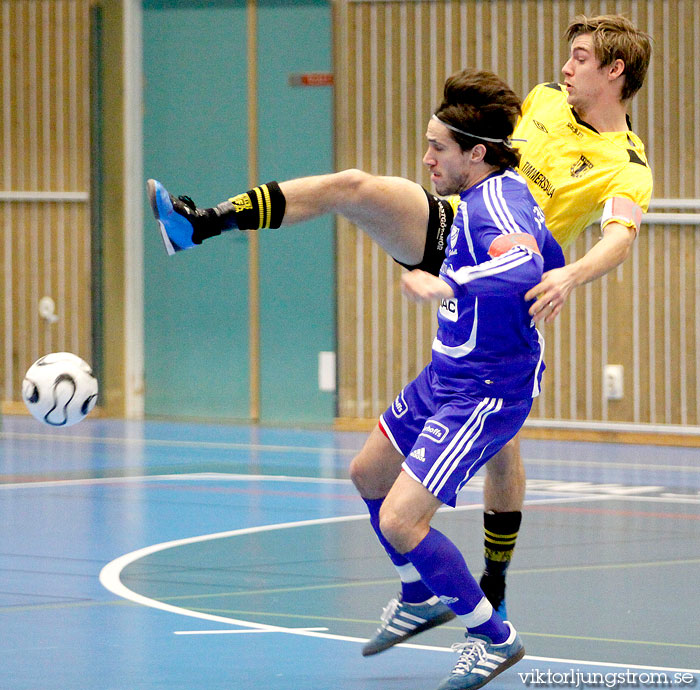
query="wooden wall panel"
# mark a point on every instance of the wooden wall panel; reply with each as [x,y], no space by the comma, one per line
[44,183]
[392,59]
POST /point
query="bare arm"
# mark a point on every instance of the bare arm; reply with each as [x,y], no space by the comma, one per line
[555,287]
[420,286]
[391,210]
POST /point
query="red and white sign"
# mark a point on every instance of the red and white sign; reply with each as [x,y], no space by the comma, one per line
[311,79]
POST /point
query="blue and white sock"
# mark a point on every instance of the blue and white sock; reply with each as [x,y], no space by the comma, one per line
[443,568]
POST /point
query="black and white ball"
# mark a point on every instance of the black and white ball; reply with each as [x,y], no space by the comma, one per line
[59,389]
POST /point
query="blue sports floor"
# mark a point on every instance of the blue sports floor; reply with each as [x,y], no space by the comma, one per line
[159,555]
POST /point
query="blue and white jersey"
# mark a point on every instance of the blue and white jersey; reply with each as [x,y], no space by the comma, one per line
[499,246]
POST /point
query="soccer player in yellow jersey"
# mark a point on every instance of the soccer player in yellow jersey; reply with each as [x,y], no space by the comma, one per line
[582,163]
[581,158]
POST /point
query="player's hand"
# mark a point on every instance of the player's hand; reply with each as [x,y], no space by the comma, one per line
[550,294]
[420,286]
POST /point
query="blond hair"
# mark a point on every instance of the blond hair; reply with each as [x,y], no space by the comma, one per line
[616,38]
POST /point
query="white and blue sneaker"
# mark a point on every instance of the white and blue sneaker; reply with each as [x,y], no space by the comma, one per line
[481,661]
[401,620]
[177,217]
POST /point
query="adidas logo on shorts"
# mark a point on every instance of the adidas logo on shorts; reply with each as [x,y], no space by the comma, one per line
[418,454]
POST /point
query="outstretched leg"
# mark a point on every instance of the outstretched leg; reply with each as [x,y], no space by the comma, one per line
[391,210]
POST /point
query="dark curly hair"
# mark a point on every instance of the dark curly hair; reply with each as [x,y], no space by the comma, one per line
[482,104]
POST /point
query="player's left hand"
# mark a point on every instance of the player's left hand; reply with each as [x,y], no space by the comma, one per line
[421,286]
[550,294]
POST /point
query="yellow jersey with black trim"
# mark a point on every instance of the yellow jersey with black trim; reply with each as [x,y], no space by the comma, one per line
[571,169]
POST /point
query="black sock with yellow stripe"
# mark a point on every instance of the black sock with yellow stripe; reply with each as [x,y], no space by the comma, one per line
[500,534]
[260,207]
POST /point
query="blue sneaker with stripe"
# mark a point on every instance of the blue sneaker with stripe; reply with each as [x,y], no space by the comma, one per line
[401,620]
[176,217]
[481,660]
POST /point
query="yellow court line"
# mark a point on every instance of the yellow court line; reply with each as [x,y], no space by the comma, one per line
[611,639]
[370,583]
[335,585]
[65,605]
[363,621]
[283,590]
[447,627]
[603,566]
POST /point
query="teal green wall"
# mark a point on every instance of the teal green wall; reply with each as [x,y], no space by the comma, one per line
[195,142]
[297,263]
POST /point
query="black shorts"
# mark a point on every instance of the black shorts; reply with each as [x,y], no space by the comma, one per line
[440,217]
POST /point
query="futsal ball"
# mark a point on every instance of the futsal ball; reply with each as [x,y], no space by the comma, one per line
[59,389]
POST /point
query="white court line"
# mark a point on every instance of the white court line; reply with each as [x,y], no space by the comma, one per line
[110,578]
[258,447]
[195,476]
[234,632]
[609,664]
[612,465]
[166,443]
[535,486]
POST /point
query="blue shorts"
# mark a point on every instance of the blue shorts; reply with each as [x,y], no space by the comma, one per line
[445,435]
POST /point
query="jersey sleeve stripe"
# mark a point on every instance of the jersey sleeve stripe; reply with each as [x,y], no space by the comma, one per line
[516,257]
[503,204]
[497,207]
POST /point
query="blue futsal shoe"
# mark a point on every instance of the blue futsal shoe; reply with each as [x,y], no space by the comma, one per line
[177,217]
[481,660]
[401,620]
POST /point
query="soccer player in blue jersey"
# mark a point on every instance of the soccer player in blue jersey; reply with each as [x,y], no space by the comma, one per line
[486,367]
[608,63]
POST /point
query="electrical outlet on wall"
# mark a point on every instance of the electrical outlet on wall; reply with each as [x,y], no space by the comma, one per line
[326,371]
[613,381]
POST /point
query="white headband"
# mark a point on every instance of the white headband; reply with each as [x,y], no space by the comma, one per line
[507,141]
